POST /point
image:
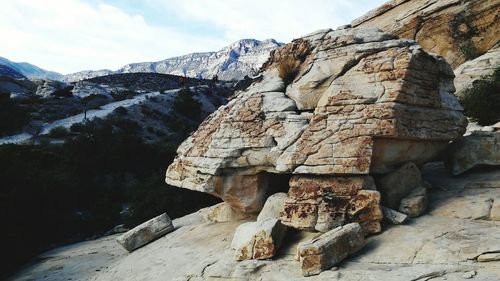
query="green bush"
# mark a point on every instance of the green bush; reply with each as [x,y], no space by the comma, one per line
[481,102]
[186,105]
[469,50]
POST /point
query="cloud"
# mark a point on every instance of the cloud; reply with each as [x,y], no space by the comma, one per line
[74,35]
[283,20]
[71,35]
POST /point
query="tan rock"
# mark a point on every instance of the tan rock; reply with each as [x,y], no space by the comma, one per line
[495,210]
[323,203]
[258,240]
[329,249]
[444,27]
[479,148]
[489,257]
[415,203]
[273,206]
[476,69]
[222,212]
[398,184]
[146,232]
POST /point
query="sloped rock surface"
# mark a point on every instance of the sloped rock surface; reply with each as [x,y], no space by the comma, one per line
[362,102]
[450,28]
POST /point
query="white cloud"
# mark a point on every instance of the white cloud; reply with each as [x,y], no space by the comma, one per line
[72,35]
[283,20]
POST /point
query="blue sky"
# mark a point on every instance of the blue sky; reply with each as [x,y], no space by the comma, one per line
[73,35]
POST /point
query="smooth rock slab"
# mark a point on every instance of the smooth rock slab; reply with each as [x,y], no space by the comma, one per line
[327,250]
[146,232]
[258,240]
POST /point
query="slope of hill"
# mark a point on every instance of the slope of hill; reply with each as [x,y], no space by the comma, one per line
[30,70]
[233,62]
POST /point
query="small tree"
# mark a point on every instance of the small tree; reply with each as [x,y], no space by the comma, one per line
[185,104]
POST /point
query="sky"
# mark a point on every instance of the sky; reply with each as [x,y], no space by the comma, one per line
[73,35]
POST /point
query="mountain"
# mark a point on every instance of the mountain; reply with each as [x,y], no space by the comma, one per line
[233,62]
[10,72]
[30,70]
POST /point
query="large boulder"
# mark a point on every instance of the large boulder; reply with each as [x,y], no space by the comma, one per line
[453,29]
[398,184]
[146,232]
[362,102]
[479,148]
[330,248]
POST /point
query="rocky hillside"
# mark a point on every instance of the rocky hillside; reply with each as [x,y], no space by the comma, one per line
[233,62]
[457,30]
[31,71]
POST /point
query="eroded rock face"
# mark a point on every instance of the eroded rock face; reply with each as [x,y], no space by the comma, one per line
[479,148]
[362,102]
[323,203]
[451,28]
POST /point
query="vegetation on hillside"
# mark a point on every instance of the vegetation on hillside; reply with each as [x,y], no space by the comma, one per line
[481,101]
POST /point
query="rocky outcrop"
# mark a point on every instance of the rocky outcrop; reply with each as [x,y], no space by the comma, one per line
[476,69]
[324,203]
[146,232]
[456,30]
[330,248]
[479,148]
[362,102]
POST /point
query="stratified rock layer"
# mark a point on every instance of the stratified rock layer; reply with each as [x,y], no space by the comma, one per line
[453,29]
[362,102]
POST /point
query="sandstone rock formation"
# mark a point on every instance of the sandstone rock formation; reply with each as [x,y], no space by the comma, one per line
[273,206]
[479,148]
[476,69]
[415,203]
[330,248]
[146,232]
[222,212]
[453,29]
[362,102]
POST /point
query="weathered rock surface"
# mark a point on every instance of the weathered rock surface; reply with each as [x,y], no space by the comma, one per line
[330,248]
[415,203]
[476,69]
[258,240]
[450,28]
[495,210]
[393,216]
[273,206]
[146,232]
[398,184]
[479,148]
[324,203]
[489,257]
[222,212]
[363,102]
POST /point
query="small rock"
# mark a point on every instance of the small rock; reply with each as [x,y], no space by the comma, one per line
[394,216]
[489,257]
[146,232]
[496,126]
[488,129]
[469,274]
[329,249]
[414,204]
[258,240]
[495,210]
[273,206]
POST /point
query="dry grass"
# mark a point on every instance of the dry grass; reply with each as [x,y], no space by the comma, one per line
[288,68]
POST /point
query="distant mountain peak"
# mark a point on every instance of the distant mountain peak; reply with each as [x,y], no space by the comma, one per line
[31,71]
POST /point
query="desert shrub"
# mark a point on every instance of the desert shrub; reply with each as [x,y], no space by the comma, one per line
[64,92]
[186,105]
[481,101]
[288,69]
[120,110]
[59,132]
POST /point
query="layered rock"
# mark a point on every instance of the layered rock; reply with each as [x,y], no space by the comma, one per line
[479,148]
[362,102]
[456,30]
